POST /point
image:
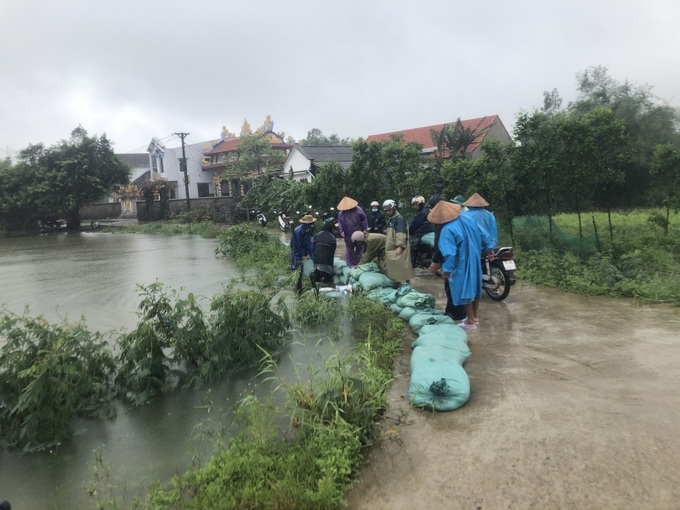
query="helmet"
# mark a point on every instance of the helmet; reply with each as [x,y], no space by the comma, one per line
[389,204]
[375,203]
[418,200]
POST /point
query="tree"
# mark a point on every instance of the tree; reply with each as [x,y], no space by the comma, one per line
[496,181]
[666,173]
[55,182]
[380,170]
[274,195]
[253,156]
[646,122]
[328,187]
[316,137]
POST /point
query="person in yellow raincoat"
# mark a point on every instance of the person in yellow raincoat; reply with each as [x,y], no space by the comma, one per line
[397,251]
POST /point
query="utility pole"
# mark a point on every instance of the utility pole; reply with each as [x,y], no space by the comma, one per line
[183,168]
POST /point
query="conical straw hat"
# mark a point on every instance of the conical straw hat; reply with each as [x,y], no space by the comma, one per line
[476,200]
[347,203]
[444,212]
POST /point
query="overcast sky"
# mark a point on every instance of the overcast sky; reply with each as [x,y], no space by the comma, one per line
[137,69]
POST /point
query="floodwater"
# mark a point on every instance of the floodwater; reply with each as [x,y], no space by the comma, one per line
[96,275]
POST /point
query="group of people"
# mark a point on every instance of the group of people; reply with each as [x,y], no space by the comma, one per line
[381,235]
[463,230]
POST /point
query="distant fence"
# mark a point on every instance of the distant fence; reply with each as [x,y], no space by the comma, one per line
[101,211]
[221,208]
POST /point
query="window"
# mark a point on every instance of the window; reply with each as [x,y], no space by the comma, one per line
[173,190]
[203,189]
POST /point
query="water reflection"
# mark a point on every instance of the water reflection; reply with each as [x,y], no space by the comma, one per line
[96,275]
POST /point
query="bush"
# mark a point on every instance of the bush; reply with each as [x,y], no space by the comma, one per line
[50,374]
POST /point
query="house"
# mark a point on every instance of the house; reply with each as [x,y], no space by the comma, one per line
[487,128]
[304,160]
[215,161]
[166,163]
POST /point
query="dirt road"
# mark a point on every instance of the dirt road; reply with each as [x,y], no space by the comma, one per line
[575,404]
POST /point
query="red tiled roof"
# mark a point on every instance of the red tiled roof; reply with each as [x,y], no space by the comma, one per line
[422,135]
[232,144]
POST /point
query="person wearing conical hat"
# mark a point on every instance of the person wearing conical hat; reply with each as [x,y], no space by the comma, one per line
[351,218]
[456,312]
[461,242]
[484,218]
[301,243]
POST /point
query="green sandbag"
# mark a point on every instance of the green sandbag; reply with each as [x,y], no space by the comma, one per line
[378,294]
[338,266]
[428,239]
[403,289]
[332,294]
[421,319]
[337,280]
[416,300]
[370,281]
[444,329]
[370,267]
[438,381]
[395,308]
[307,267]
[431,311]
[390,296]
[407,312]
[346,272]
[456,343]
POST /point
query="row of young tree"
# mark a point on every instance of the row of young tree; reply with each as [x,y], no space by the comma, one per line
[615,147]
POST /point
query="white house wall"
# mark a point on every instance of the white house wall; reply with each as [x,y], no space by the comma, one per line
[299,163]
[172,171]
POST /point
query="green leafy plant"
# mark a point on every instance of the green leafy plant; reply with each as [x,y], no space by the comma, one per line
[311,309]
[50,374]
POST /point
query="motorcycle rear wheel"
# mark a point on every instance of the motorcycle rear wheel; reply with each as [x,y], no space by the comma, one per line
[499,286]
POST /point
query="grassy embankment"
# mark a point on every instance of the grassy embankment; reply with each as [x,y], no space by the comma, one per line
[635,259]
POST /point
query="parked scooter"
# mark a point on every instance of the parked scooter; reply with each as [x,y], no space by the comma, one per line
[285,223]
[261,219]
[498,273]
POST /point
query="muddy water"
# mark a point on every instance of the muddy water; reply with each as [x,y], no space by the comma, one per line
[96,275]
[575,404]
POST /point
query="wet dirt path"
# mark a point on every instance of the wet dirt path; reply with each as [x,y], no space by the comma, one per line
[575,404]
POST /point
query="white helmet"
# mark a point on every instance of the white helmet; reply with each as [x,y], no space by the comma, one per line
[389,204]
[375,203]
[418,200]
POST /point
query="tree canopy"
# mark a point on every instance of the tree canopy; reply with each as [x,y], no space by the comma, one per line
[316,137]
[53,183]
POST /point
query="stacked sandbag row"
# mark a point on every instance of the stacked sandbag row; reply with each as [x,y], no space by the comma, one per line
[365,277]
[438,380]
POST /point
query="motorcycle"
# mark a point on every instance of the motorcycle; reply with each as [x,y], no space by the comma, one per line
[498,273]
[261,219]
[285,223]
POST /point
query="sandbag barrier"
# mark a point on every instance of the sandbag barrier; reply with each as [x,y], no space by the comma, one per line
[438,380]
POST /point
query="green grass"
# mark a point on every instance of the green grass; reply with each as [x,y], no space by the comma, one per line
[634,259]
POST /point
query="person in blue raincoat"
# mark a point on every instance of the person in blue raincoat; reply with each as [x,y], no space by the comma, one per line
[461,242]
[484,218]
[301,241]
